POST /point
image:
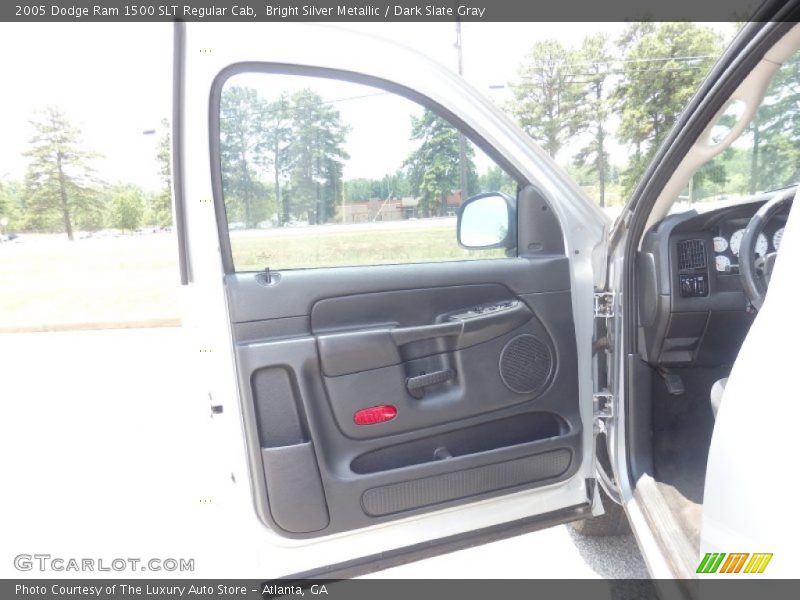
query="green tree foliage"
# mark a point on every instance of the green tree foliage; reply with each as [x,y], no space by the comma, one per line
[775,131]
[395,185]
[433,167]
[392,185]
[592,113]
[59,182]
[767,155]
[160,207]
[712,175]
[5,201]
[296,141]
[548,95]
[12,205]
[243,155]
[126,208]
[361,189]
[664,65]
[316,155]
[496,179]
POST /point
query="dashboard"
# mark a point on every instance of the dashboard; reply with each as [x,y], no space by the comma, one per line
[692,307]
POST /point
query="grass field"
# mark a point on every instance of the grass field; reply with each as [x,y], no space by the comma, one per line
[390,242]
[50,283]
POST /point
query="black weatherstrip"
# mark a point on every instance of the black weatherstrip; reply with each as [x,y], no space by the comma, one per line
[178,172]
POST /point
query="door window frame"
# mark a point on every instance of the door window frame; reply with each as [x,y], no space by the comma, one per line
[385,85]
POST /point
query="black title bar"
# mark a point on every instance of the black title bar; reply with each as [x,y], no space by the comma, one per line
[368,589]
[381,10]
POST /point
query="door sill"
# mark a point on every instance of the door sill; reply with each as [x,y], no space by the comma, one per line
[682,555]
[408,554]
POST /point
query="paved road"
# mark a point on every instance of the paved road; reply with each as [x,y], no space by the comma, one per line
[104,455]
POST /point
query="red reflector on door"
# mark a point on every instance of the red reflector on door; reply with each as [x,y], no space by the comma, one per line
[375,414]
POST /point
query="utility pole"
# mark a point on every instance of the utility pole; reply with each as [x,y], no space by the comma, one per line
[462,141]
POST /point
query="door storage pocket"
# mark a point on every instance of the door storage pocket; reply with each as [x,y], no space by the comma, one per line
[294,488]
[494,435]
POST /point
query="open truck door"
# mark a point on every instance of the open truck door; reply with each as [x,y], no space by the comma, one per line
[410,369]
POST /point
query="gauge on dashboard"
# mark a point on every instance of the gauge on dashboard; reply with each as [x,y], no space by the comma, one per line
[736,241]
[720,244]
[776,239]
[723,263]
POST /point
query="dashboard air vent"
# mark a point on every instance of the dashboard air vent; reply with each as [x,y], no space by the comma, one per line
[691,254]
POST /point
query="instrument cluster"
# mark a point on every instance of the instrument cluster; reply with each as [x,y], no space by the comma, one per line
[727,243]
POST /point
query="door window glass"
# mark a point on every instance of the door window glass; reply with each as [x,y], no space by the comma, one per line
[319,172]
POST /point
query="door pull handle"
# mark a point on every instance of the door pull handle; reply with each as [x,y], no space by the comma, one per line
[416,385]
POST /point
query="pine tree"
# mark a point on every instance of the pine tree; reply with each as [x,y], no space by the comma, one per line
[59,182]
[278,142]
[434,166]
[592,115]
[547,96]
[243,155]
[316,156]
[663,66]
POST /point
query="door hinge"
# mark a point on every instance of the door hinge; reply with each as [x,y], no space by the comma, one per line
[603,305]
[603,408]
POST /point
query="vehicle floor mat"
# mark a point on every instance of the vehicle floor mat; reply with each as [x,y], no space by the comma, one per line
[682,428]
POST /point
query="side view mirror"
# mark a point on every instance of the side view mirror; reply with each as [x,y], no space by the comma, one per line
[487,221]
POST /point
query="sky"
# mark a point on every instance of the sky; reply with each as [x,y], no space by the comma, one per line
[114,80]
[111,80]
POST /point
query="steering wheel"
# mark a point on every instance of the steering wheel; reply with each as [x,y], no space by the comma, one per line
[756,271]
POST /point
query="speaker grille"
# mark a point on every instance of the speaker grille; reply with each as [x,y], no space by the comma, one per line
[525,364]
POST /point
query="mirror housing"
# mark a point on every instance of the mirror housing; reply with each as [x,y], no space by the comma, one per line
[487,221]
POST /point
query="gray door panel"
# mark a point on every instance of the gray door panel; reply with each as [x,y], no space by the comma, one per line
[317,346]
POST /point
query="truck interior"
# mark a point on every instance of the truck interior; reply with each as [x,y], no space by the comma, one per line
[702,269]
